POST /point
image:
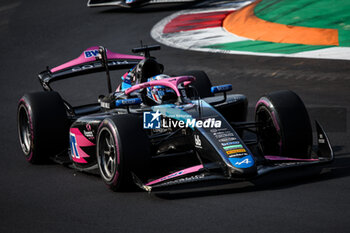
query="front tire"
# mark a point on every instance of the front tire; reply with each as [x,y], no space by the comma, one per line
[122,149]
[284,125]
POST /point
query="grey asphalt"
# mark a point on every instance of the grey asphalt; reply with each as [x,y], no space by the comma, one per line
[52,198]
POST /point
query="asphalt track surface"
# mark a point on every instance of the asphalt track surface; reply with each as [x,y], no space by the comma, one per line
[53,198]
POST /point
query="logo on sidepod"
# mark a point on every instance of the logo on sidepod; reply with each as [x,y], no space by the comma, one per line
[244,162]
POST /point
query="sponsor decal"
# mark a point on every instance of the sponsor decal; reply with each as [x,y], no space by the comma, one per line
[244,162]
[160,130]
[218,133]
[197,141]
[238,155]
[321,140]
[227,139]
[233,147]
[73,146]
[171,176]
[91,53]
[235,151]
[88,134]
[218,130]
[126,102]
[185,180]
[224,135]
[97,65]
[222,88]
[105,105]
[230,143]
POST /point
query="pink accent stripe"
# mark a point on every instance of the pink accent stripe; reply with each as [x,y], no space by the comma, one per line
[168,82]
[111,55]
[116,176]
[176,174]
[262,102]
[125,75]
[274,118]
[82,59]
[81,142]
[273,157]
[118,88]
[187,83]
[81,139]
[82,155]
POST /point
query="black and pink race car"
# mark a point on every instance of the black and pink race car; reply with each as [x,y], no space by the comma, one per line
[160,132]
[131,3]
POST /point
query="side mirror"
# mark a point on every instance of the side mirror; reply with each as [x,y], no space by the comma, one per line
[221,88]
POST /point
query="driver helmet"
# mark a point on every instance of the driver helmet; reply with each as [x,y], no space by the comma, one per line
[160,94]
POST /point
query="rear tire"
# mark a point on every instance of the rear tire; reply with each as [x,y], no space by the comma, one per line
[42,126]
[122,149]
[202,83]
[285,128]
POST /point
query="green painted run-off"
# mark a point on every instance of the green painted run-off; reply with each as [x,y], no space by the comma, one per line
[333,14]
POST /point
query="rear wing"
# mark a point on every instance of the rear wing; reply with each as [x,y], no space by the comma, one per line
[88,62]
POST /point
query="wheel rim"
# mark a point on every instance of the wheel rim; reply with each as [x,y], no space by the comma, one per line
[24,130]
[107,156]
[269,136]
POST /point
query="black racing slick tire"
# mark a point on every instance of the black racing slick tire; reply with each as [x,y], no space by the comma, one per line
[202,83]
[284,127]
[123,149]
[43,126]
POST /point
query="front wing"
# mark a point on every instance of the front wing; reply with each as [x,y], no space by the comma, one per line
[204,175]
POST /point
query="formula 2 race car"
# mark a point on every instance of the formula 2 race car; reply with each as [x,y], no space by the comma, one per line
[158,131]
[131,3]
